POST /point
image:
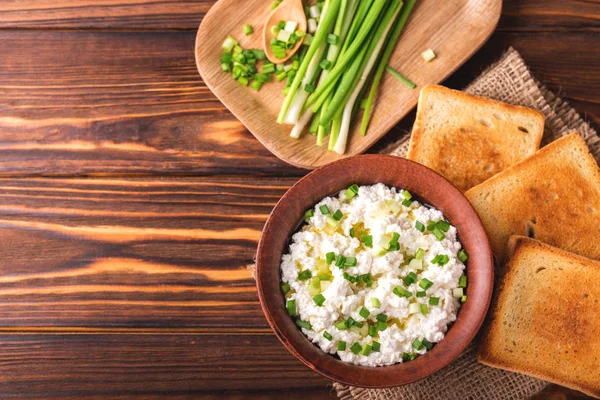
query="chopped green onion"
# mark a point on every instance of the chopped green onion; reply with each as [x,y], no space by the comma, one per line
[376,346]
[357,324]
[351,191]
[420,227]
[463,256]
[458,292]
[285,287]
[350,278]
[367,240]
[372,330]
[421,294]
[340,261]
[308,214]
[350,262]
[424,309]
[417,344]
[381,317]
[428,55]
[229,44]
[381,326]
[400,77]
[438,234]
[427,344]
[406,194]
[327,336]
[243,81]
[375,302]
[463,299]
[349,322]
[341,346]
[364,313]
[425,283]
[247,28]
[408,356]
[419,254]
[259,54]
[356,348]
[351,232]
[366,350]
[324,209]
[268,68]
[401,292]
[303,324]
[414,308]
[443,260]
[415,263]
[319,299]
[341,325]
[442,226]
[237,49]
[256,85]
[291,307]
[462,281]
[281,76]
[410,278]
[225,67]
[407,203]
[304,275]
[333,40]
[329,257]
[275,4]
[337,215]
[434,301]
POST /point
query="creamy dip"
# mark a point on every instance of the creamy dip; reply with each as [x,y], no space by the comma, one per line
[374,276]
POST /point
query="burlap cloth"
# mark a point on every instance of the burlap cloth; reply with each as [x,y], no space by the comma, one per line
[508,80]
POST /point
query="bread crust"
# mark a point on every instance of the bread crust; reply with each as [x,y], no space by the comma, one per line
[469,138]
[540,350]
[553,196]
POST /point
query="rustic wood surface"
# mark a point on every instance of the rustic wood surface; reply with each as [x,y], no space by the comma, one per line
[132,200]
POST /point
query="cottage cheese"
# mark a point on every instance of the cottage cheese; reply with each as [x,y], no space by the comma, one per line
[376,211]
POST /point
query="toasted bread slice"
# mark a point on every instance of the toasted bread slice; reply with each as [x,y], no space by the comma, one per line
[553,196]
[545,317]
[469,138]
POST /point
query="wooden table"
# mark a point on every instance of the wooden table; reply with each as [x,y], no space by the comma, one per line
[132,200]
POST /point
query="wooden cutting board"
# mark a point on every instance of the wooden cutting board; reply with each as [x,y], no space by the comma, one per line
[454,29]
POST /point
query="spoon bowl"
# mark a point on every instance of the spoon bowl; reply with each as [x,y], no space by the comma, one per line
[288,10]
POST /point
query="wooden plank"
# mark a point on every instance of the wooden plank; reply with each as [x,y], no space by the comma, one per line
[145,253]
[125,103]
[98,103]
[81,365]
[531,15]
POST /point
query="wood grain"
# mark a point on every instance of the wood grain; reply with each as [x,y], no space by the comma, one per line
[129,364]
[454,29]
[163,253]
[106,111]
[529,15]
[123,97]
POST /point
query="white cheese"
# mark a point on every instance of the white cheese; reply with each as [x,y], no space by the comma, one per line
[373,211]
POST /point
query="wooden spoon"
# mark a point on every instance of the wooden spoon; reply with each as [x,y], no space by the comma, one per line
[288,10]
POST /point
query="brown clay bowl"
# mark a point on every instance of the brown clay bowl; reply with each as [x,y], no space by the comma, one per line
[427,186]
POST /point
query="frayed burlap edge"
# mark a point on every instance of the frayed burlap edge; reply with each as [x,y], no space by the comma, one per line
[508,80]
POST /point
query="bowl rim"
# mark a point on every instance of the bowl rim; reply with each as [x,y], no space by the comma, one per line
[480,269]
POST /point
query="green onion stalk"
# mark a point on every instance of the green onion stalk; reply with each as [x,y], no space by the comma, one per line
[346,11]
[374,50]
[347,58]
[293,114]
[389,48]
[327,20]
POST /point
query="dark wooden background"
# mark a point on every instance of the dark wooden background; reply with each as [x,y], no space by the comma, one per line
[131,200]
